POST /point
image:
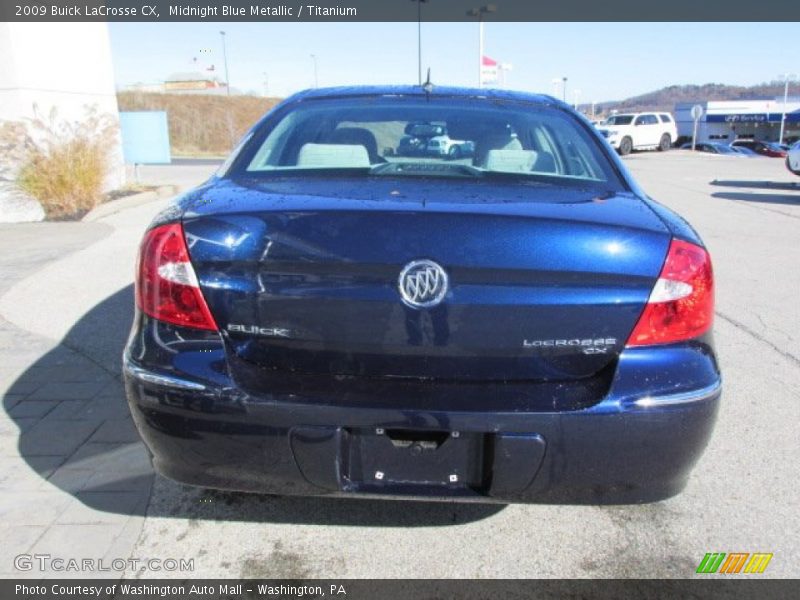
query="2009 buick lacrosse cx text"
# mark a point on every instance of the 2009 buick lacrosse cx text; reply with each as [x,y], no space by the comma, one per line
[424,292]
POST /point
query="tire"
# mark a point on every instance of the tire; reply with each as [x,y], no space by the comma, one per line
[665,143]
[625,146]
[454,152]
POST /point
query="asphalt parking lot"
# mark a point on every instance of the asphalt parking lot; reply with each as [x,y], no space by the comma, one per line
[76,482]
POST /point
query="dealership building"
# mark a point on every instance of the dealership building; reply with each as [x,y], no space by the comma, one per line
[727,120]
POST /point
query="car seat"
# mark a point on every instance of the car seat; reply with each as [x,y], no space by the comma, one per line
[356,136]
[497,140]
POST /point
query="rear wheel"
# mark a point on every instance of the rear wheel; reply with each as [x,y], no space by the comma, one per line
[665,143]
[625,146]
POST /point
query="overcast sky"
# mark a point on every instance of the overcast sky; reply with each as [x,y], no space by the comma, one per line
[605,61]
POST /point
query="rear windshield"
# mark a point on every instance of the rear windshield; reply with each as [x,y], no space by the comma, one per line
[440,137]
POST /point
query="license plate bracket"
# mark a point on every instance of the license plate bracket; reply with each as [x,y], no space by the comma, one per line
[396,457]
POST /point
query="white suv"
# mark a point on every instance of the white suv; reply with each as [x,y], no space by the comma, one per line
[444,145]
[639,131]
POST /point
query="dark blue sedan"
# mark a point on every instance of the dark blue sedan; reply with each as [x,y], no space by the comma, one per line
[327,315]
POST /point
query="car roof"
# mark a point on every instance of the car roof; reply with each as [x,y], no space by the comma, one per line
[415,90]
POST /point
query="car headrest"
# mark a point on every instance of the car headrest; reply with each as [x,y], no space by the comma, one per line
[333,156]
[511,161]
[494,141]
[355,136]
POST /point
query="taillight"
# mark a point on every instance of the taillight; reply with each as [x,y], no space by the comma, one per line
[681,305]
[166,285]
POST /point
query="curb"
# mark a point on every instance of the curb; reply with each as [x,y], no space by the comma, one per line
[114,206]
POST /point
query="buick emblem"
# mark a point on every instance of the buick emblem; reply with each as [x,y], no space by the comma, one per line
[422,284]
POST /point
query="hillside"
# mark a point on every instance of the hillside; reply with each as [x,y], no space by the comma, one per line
[210,125]
[666,98]
[201,124]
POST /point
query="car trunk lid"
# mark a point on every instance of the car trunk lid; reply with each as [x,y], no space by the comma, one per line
[545,283]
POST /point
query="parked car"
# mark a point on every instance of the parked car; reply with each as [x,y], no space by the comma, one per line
[444,145]
[761,147]
[639,131]
[530,327]
[432,139]
[745,151]
[712,148]
[793,158]
[417,137]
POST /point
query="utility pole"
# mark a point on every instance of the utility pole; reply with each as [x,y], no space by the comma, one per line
[502,69]
[787,77]
[419,38]
[225,61]
[479,12]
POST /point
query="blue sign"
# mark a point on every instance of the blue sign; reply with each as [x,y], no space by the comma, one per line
[145,137]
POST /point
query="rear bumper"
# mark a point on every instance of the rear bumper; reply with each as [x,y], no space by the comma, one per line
[638,444]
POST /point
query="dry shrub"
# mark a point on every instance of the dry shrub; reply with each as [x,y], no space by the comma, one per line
[63,164]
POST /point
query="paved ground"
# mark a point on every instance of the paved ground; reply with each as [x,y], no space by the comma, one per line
[74,477]
[76,482]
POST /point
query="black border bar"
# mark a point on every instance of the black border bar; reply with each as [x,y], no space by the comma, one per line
[339,11]
[712,588]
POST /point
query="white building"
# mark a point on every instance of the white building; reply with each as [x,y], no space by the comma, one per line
[194,82]
[66,66]
[727,120]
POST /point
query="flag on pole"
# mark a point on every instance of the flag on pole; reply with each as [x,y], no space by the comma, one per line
[489,70]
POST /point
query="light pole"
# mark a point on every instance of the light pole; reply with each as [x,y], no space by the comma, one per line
[419,38]
[314,60]
[564,89]
[504,68]
[479,12]
[225,61]
[787,77]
